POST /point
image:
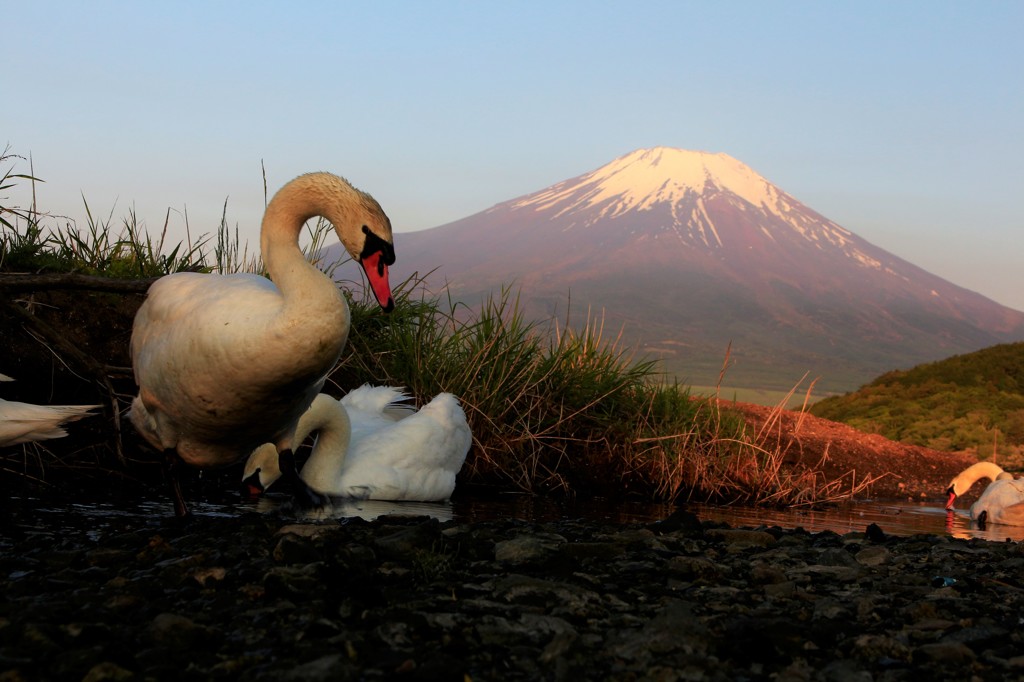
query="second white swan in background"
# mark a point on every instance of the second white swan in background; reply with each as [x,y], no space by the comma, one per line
[1002,501]
[371,445]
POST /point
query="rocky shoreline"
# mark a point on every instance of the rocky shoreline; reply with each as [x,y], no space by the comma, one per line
[262,596]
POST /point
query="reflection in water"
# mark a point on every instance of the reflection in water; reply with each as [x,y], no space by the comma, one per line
[894,518]
[902,518]
[363,509]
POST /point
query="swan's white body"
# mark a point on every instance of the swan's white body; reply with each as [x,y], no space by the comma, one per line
[1002,502]
[225,363]
[25,422]
[370,446]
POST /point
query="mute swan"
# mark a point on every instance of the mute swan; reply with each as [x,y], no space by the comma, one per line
[25,422]
[1002,501]
[414,457]
[225,363]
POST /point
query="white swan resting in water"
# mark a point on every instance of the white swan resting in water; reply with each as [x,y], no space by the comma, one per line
[371,446]
[1002,502]
[26,422]
[225,363]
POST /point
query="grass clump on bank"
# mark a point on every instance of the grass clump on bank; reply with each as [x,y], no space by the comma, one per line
[552,408]
[31,241]
[567,410]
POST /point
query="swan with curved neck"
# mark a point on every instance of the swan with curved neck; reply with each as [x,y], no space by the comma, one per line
[1001,502]
[225,363]
[363,452]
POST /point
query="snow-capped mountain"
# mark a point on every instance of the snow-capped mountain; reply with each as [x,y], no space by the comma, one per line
[688,251]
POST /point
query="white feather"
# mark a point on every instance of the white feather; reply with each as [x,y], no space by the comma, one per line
[25,422]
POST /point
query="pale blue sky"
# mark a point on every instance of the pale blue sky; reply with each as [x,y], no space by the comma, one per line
[903,122]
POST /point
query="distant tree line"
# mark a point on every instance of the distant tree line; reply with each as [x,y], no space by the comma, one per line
[971,403]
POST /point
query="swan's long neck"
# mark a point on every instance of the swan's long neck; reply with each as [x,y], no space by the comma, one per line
[974,473]
[325,415]
[313,321]
[330,419]
[305,197]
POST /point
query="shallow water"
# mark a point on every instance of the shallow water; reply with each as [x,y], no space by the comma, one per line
[896,518]
[904,518]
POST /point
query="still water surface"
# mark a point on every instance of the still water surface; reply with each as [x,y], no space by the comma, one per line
[896,518]
[899,518]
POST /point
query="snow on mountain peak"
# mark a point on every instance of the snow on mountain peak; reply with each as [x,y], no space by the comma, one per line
[645,177]
[664,173]
[686,182]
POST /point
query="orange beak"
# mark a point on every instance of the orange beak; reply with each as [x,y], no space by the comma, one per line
[377,273]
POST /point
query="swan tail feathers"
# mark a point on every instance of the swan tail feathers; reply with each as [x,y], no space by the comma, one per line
[70,413]
[390,400]
[25,422]
[44,414]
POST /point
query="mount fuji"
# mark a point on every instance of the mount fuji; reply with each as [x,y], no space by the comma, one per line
[688,252]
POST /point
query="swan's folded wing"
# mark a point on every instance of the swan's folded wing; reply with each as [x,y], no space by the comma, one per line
[1012,515]
[416,458]
[179,305]
[1001,494]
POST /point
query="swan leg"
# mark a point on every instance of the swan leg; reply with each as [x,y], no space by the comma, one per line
[171,464]
[304,495]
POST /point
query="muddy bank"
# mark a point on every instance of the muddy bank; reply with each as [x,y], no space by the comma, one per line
[262,596]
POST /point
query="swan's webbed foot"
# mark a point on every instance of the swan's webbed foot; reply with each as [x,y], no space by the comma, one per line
[304,495]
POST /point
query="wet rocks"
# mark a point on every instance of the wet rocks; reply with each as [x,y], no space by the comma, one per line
[263,597]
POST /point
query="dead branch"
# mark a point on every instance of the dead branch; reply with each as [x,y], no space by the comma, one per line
[31,282]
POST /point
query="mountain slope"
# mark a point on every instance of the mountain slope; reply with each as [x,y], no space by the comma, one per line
[968,402]
[689,251]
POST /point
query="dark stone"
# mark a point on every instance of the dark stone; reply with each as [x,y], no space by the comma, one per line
[269,598]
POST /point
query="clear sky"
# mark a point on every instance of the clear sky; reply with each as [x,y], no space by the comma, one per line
[901,121]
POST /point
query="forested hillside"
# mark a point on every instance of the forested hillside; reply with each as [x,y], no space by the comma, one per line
[972,402]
